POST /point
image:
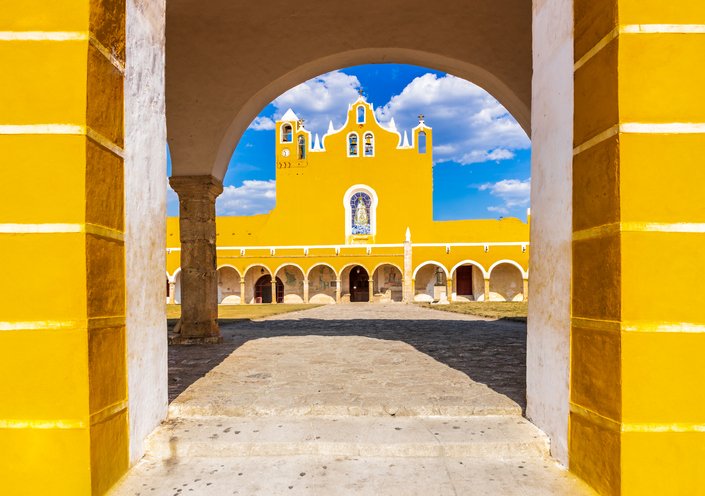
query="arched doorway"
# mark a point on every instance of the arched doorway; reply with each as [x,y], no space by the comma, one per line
[263,290]
[359,284]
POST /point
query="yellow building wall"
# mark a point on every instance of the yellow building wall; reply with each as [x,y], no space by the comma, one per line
[63,414]
[638,313]
[310,208]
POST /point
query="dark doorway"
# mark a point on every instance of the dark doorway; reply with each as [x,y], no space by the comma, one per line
[464,280]
[263,290]
[359,284]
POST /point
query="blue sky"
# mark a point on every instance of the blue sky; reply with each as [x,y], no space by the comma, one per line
[481,155]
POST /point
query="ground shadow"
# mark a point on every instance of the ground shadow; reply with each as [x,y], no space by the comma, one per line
[490,352]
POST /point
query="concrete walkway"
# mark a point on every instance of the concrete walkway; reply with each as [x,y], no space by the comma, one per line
[322,407]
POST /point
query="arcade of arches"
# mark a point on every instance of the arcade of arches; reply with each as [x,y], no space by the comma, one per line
[323,284]
[610,91]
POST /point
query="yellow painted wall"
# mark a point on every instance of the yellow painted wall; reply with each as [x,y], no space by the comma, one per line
[310,207]
[638,311]
[63,414]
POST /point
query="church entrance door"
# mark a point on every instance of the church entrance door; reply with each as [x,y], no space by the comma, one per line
[464,280]
[359,284]
[263,290]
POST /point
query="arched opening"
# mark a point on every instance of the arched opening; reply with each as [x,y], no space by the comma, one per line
[352,145]
[430,283]
[369,143]
[263,290]
[468,282]
[361,114]
[228,286]
[354,284]
[322,281]
[287,133]
[387,283]
[302,148]
[422,142]
[253,274]
[506,283]
[292,278]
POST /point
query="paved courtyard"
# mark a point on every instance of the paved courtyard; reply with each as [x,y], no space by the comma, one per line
[489,352]
[353,399]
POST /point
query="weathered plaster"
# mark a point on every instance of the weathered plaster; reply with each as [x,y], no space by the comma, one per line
[228,286]
[548,341]
[145,229]
[321,285]
[506,283]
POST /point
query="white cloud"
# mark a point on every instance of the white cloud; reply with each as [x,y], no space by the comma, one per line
[253,197]
[469,125]
[513,192]
[499,210]
[262,124]
[318,101]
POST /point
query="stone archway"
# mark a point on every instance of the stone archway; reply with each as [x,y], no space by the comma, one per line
[292,277]
[430,282]
[229,286]
[358,284]
[322,284]
[506,283]
[266,292]
[388,283]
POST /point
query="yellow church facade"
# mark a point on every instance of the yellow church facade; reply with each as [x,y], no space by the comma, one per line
[353,222]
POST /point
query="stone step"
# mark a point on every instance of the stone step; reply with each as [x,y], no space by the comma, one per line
[343,476]
[489,436]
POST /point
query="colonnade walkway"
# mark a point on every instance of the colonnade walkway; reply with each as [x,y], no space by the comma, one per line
[354,399]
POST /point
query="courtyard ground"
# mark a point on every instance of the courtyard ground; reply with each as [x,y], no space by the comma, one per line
[352,399]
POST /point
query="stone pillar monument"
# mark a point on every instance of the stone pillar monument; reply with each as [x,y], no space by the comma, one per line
[408,288]
[199,281]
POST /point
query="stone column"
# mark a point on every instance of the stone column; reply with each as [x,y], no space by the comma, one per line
[172,290]
[408,289]
[199,281]
[526,290]
[242,291]
[337,291]
[412,290]
[449,288]
[274,291]
[487,290]
[371,286]
[306,290]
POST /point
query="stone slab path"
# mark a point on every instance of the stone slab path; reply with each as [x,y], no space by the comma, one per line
[352,399]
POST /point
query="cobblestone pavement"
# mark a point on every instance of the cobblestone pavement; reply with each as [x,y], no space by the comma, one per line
[489,352]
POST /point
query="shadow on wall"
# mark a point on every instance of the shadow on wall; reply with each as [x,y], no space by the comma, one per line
[490,352]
